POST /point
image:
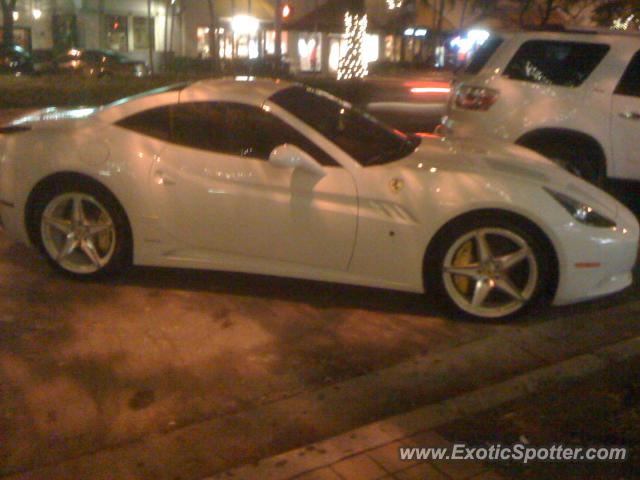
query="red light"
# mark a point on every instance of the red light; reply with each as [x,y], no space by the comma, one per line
[286,11]
[418,90]
[421,88]
[116,25]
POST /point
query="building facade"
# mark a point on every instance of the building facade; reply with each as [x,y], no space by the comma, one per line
[121,25]
[136,27]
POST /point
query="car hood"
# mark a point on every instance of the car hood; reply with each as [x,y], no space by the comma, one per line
[54,114]
[495,158]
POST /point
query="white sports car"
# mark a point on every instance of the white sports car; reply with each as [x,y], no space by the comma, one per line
[274,178]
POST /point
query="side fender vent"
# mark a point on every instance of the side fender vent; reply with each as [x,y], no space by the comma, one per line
[14,129]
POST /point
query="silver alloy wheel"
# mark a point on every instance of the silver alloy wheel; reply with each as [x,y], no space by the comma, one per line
[490,272]
[78,233]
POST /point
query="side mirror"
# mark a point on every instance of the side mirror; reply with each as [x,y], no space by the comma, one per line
[290,156]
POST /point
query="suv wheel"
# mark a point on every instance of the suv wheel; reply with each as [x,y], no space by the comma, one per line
[573,156]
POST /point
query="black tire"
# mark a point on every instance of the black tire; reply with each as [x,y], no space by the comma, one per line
[445,240]
[121,257]
[575,157]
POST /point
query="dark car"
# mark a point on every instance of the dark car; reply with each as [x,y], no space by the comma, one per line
[15,60]
[99,64]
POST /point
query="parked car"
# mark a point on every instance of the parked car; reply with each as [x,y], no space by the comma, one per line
[43,61]
[100,64]
[15,60]
[571,96]
[275,178]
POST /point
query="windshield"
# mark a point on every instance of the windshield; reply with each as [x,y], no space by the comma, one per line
[367,140]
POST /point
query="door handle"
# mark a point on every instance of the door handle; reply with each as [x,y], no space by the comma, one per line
[630,115]
[164,179]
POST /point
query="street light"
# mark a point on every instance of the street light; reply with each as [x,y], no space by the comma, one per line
[245,25]
[286,11]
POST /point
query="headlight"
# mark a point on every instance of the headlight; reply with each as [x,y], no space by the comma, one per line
[581,211]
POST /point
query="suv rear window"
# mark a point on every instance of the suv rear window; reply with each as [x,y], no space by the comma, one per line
[566,64]
[483,54]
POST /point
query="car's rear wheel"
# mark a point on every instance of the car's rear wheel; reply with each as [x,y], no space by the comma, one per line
[82,230]
[488,268]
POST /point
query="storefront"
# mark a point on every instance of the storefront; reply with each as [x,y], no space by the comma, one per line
[57,26]
[244,29]
[317,42]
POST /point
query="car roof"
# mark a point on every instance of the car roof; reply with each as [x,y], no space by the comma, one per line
[593,36]
[247,90]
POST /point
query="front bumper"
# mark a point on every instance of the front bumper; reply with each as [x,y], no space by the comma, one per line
[599,262]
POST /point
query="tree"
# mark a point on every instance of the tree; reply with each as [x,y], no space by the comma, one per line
[8,7]
[150,35]
[353,64]
[540,12]
[439,8]
[214,45]
[624,11]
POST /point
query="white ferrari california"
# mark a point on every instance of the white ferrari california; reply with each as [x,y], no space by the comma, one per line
[269,177]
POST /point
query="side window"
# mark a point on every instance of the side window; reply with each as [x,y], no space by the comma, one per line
[630,83]
[566,64]
[200,125]
[153,123]
[254,132]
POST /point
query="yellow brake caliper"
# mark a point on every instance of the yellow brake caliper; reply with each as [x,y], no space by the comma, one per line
[463,258]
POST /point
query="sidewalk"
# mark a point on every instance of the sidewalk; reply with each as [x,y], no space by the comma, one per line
[371,452]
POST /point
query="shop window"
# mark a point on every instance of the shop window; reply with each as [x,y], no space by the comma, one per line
[203,38]
[117,33]
[65,32]
[143,31]
[310,51]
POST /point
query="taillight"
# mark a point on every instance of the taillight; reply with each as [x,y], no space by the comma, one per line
[475,98]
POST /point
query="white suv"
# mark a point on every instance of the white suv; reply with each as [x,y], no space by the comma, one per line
[573,97]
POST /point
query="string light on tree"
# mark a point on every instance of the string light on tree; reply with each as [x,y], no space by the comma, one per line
[625,23]
[393,4]
[353,64]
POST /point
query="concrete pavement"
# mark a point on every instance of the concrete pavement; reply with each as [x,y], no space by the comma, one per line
[372,452]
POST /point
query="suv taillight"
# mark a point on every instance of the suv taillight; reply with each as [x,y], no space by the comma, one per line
[475,98]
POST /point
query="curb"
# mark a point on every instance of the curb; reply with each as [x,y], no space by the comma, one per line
[327,452]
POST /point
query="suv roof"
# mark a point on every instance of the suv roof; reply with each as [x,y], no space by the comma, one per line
[577,34]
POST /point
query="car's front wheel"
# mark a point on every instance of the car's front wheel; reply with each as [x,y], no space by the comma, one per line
[489,268]
[82,230]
